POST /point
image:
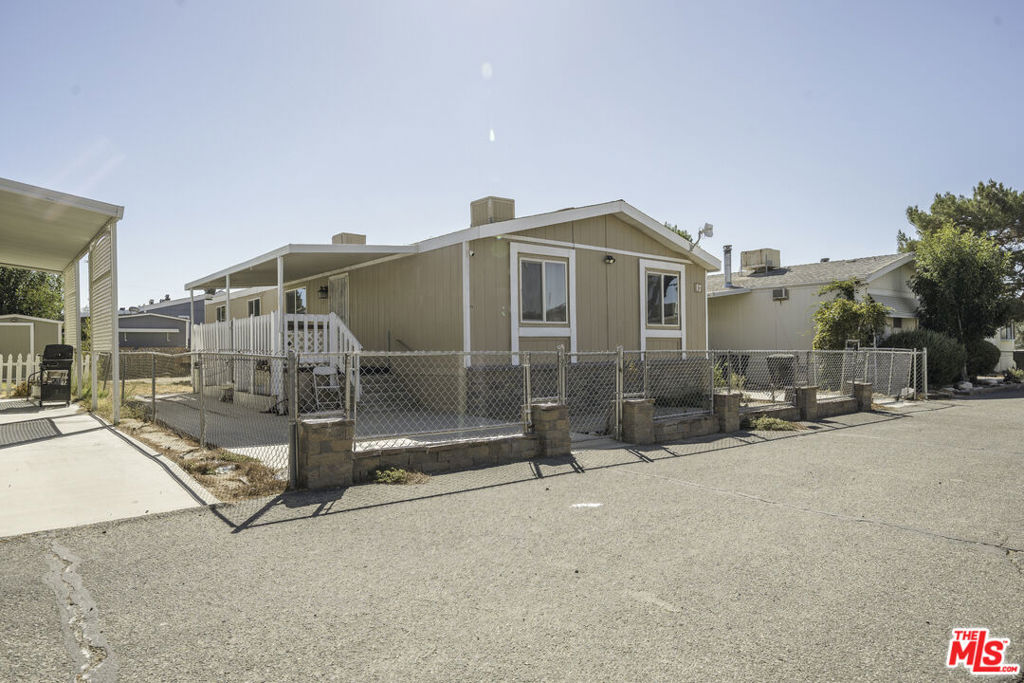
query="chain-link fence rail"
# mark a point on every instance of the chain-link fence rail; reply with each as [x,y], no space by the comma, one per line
[593,387]
[403,399]
[762,378]
[894,374]
[681,383]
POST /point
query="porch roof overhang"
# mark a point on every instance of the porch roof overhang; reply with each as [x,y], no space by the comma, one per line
[300,261]
[43,229]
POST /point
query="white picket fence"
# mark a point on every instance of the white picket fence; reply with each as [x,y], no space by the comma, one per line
[305,334]
[14,371]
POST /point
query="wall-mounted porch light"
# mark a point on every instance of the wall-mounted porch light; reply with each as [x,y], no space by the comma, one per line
[322,292]
[609,259]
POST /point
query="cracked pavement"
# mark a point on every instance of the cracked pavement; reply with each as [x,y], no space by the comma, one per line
[845,552]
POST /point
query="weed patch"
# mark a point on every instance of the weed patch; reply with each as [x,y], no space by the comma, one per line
[769,424]
[396,475]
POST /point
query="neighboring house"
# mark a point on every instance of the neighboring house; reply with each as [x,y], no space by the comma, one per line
[174,307]
[27,335]
[767,306]
[589,278]
[152,330]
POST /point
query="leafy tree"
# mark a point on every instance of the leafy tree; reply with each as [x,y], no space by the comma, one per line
[31,292]
[991,211]
[843,317]
[679,231]
[960,281]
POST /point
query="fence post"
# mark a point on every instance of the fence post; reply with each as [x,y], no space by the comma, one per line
[728,372]
[293,418]
[561,376]
[711,392]
[647,377]
[348,386]
[924,372]
[152,357]
[356,371]
[892,363]
[201,370]
[527,390]
[618,391]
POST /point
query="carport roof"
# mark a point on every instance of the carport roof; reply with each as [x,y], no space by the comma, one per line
[44,229]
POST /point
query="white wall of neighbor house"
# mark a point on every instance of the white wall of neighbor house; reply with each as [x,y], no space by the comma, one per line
[753,321]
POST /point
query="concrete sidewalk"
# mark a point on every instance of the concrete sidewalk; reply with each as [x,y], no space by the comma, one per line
[60,467]
[847,552]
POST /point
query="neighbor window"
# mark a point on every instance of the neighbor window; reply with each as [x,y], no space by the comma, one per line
[222,313]
[295,301]
[254,307]
[897,323]
[1008,333]
[663,299]
[543,287]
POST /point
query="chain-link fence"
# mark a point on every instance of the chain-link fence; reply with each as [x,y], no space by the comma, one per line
[248,403]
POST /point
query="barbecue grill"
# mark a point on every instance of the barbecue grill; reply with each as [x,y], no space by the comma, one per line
[54,376]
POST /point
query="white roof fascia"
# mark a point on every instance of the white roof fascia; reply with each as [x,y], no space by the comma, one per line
[302,249]
[885,270]
[29,317]
[540,220]
[727,292]
[673,238]
[34,192]
[237,294]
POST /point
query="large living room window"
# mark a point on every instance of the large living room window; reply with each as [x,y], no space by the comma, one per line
[543,287]
[662,299]
[295,300]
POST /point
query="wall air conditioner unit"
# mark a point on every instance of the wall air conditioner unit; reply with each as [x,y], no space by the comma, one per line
[780,294]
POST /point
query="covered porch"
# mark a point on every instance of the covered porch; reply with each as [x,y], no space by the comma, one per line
[51,231]
[291,325]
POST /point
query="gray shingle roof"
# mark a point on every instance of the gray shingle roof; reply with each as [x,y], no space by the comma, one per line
[807,274]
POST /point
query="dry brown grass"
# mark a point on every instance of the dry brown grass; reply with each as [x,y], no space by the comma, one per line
[243,478]
[397,475]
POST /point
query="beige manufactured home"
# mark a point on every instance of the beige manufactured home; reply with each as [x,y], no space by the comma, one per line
[765,305]
[588,279]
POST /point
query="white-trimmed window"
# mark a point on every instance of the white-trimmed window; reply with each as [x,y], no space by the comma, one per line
[662,297]
[221,313]
[1008,333]
[253,306]
[543,291]
[295,300]
[897,323]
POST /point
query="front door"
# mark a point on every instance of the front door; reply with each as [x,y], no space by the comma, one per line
[337,288]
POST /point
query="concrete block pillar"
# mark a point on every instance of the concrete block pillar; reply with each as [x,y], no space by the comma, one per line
[324,452]
[638,421]
[862,392]
[807,402]
[551,427]
[727,410]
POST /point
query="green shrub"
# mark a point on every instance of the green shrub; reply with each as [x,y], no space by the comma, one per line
[982,358]
[945,354]
[1014,375]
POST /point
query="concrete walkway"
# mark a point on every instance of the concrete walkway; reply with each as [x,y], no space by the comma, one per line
[60,467]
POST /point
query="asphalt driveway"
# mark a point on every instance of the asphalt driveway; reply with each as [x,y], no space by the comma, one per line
[846,552]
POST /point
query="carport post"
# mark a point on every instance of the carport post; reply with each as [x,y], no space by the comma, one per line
[202,407]
[92,371]
[191,323]
[115,337]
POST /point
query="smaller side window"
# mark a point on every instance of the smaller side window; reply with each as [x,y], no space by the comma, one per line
[222,313]
[254,307]
[897,323]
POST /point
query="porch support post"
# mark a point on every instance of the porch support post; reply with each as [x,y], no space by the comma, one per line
[191,351]
[79,361]
[115,355]
[282,336]
[227,312]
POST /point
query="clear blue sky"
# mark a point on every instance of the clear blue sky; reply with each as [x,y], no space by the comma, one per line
[229,128]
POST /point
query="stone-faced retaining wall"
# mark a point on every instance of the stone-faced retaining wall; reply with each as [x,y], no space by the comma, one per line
[836,406]
[325,455]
